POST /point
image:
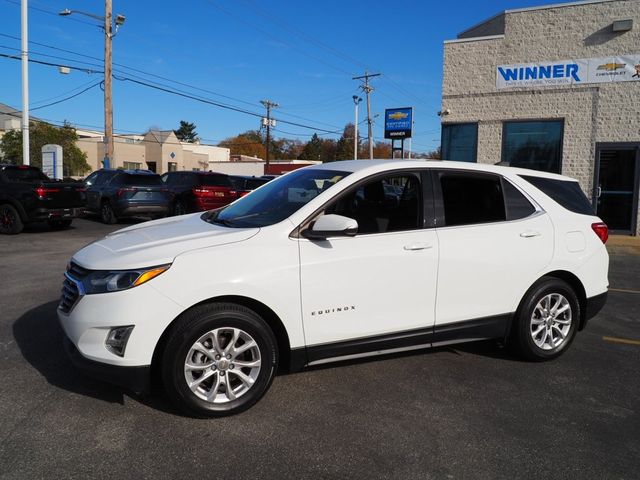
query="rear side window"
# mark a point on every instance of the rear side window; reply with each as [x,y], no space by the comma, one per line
[515,202]
[471,198]
[132,179]
[212,180]
[18,174]
[566,193]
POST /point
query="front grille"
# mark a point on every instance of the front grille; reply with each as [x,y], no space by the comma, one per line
[70,296]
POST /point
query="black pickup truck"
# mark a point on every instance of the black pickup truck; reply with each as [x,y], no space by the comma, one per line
[28,195]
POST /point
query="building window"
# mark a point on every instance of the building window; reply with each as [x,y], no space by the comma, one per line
[533,144]
[460,142]
[131,165]
[173,167]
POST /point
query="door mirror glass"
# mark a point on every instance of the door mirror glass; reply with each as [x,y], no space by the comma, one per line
[331,226]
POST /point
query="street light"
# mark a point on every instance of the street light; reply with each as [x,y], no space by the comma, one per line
[356,101]
[110,28]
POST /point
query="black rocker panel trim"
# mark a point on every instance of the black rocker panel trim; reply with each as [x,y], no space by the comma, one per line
[488,327]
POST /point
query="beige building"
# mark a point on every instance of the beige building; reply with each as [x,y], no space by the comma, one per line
[553,88]
[156,150]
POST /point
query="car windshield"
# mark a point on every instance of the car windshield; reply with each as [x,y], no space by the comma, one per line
[276,200]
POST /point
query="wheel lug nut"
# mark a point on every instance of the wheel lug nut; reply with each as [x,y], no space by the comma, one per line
[222,373]
[228,357]
[217,357]
[232,366]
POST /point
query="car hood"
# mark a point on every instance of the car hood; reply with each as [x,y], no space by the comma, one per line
[157,242]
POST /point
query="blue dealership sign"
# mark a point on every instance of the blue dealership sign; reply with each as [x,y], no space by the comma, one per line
[398,122]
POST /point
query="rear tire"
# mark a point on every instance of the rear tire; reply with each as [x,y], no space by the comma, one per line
[546,321]
[107,214]
[59,224]
[10,222]
[214,344]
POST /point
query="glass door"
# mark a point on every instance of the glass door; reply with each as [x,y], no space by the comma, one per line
[616,186]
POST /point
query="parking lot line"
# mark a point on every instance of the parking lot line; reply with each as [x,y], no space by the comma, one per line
[626,341]
[623,290]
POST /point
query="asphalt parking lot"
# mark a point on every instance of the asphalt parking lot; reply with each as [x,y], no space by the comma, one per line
[473,411]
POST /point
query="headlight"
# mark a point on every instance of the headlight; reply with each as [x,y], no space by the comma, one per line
[103,281]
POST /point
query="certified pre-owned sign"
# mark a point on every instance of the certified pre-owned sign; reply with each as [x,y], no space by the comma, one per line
[622,68]
[398,122]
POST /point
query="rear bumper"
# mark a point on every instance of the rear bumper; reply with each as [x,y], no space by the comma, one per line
[41,214]
[137,379]
[593,307]
[133,210]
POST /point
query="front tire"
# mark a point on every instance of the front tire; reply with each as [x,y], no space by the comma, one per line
[547,320]
[219,360]
[10,222]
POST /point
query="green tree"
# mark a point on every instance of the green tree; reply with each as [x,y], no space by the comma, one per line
[186,132]
[344,147]
[312,150]
[40,134]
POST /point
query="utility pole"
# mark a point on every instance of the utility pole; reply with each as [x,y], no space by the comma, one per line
[367,89]
[109,33]
[108,98]
[268,122]
[356,101]
[25,83]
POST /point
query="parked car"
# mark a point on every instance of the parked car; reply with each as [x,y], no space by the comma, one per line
[28,195]
[198,191]
[245,184]
[294,275]
[116,194]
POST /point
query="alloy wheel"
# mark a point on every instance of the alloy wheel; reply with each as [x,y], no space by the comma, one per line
[222,365]
[551,321]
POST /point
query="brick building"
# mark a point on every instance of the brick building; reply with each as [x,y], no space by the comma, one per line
[553,88]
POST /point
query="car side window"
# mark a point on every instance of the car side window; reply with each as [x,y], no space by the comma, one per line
[470,198]
[517,205]
[387,204]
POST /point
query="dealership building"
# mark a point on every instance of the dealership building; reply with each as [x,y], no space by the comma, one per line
[554,88]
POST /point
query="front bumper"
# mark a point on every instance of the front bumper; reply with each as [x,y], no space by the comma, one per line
[89,320]
[137,379]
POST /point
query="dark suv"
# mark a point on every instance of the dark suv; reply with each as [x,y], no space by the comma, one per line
[199,191]
[245,184]
[126,193]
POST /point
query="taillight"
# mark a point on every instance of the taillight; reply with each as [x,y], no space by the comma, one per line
[81,190]
[210,192]
[42,192]
[601,230]
[122,191]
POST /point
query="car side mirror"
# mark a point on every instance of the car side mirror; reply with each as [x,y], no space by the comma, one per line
[331,226]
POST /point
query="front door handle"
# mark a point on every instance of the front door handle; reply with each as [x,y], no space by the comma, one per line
[418,246]
[529,234]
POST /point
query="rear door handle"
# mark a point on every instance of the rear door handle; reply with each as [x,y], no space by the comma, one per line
[418,246]
[529,234]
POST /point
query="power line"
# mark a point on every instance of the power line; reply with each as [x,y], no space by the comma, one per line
[67,98]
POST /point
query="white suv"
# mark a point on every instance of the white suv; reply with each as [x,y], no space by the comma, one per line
[336,261]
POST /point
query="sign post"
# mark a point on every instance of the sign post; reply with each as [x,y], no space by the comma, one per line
[398,125]
[52,161]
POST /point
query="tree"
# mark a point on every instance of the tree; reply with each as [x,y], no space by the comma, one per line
[40,134]
[187,132]
[313,149]
[249,143]
[344,147]
[382,150]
